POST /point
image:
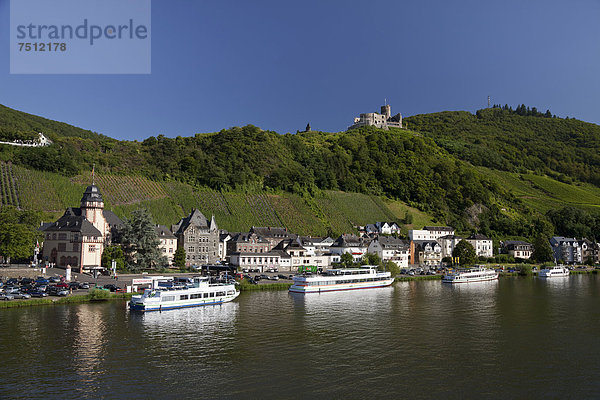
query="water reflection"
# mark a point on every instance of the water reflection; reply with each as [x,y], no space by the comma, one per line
[556,282]
[88,326]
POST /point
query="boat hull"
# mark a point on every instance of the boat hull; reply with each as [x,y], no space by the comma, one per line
[469,280]
[161,306]
[340,287]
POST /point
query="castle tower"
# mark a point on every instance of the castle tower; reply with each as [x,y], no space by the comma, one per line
[386,111]
[92,207]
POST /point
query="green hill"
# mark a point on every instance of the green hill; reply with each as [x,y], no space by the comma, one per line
[495,171]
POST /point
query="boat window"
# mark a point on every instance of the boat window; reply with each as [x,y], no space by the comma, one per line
[168,298]
[183,297]
[220,294]
[206,295]
[212,295]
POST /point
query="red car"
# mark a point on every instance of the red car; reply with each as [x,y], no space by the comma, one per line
[63,285]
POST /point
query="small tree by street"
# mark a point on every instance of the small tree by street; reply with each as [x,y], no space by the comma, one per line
[347,260]
[179,258]
[140,242]
[113,253]
[466,253]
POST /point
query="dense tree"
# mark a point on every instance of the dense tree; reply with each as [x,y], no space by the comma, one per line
[466,253]
[346,260]
[140,242]
[18,233]
[372,259]
[110,253]
[179,258]
[542,252]
[391,267]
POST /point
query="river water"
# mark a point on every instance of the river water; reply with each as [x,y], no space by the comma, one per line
[513,338]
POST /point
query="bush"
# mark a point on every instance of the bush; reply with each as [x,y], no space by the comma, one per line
[99,294]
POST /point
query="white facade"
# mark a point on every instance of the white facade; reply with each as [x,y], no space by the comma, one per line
[483,246]
[430,232]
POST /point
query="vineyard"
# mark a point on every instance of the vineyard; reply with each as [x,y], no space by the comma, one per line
[295,215]
[331,213]
[348,210]
[123,190]
[8,190]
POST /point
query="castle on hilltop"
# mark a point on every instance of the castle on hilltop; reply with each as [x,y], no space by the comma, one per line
[383,120]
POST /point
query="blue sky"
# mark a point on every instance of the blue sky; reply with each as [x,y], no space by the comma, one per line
[281,64]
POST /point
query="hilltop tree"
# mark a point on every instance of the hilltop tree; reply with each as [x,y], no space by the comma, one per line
[140,242]
[466,253]
[542,251]
[179,258]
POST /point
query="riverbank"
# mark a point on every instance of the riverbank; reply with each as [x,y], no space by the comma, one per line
[94,295]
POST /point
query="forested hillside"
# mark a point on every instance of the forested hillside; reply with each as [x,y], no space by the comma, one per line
[488,172]
[565,149]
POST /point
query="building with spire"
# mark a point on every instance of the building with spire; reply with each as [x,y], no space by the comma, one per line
[199,237]
[78,238]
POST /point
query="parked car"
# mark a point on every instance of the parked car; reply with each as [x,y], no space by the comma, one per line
[38,293]
[112,288]
[281,276]
[42,281]
[63,285]
[5,296]
[84,285]
[272,269]
[21,295]
[273,278]
[54,279]
[257,278]
[26,281]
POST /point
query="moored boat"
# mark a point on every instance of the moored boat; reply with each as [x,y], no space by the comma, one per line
[200,293]
[366,277]
[557,270]
[478,274]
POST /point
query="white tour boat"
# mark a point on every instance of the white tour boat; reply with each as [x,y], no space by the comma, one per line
[199,293]
[478,274]
[557,270]
[365,277]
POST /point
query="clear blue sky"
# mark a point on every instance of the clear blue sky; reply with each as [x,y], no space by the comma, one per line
[280,64]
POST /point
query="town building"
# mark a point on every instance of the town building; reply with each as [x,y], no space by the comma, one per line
[391,249]
[385,120]
[352,244]
[199,237]
[483,245]
[427,253]
[78,238]
[385,228]
[448,243]
[430,232]
[168,242]
[248,242]
[567,250]
[224,238]
[273,235]
[517,249]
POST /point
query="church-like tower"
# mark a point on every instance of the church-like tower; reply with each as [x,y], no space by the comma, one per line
[92,207]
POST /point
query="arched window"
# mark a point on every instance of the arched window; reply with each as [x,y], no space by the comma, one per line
[63,261]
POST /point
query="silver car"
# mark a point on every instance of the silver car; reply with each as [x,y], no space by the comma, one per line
[20,295]
[5,296]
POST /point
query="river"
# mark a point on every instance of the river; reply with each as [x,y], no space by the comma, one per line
[513,338]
